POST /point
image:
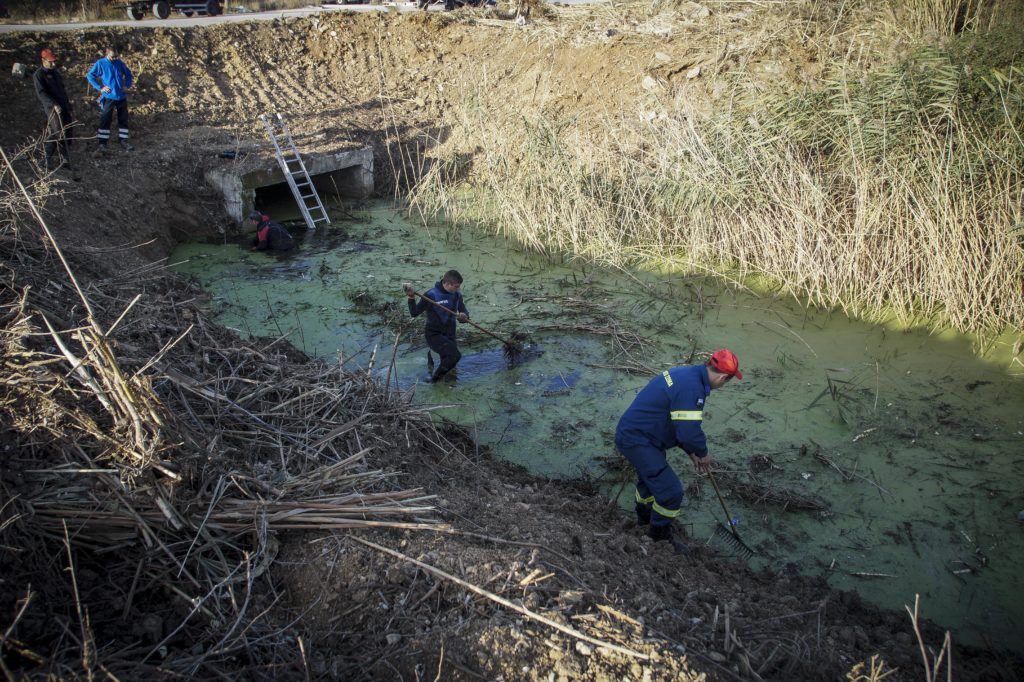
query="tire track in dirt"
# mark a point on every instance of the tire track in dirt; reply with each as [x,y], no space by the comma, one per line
[243,85]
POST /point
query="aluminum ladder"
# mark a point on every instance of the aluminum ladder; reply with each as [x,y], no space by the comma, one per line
[295,171]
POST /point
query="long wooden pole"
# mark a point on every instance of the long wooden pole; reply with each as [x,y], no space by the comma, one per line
[449,310]
[504,602]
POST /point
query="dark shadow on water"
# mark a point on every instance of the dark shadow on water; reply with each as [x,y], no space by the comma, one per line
[483,363]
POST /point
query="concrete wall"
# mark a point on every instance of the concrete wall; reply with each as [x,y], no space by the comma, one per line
[348,174]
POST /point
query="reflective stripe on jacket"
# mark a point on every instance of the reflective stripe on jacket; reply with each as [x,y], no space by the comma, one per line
[668,411]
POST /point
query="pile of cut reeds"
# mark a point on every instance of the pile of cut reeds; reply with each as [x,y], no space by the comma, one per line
[151,460]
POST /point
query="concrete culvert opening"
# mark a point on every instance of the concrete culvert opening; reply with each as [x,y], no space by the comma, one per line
[345,183]
[257,181]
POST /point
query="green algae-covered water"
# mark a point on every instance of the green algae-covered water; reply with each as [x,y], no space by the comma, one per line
[889,462]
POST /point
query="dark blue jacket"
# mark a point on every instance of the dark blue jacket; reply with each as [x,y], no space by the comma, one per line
[50,90]
[439,320]
[668,412]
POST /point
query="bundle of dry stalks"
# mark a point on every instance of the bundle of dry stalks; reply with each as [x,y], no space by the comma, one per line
[151,458]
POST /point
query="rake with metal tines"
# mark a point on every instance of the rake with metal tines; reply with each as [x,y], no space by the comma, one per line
[729,535]
[512,349]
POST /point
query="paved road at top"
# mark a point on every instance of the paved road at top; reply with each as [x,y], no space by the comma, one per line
[152,22]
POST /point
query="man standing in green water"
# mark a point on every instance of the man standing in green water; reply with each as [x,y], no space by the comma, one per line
[444,306]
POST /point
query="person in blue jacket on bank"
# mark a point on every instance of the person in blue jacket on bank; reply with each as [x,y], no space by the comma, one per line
[440,327]
[667,413]
[113,79]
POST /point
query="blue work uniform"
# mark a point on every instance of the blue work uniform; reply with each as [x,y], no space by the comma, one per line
[440,327]
[114,74]
[666,413]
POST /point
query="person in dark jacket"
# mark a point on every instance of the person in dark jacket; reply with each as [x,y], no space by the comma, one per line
[270,236]
[667,413]
[440,327]
[57,109]
[112,78]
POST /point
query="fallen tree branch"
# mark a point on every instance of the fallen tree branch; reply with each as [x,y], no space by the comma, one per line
[505,602]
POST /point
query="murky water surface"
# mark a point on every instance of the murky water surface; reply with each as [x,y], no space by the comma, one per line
[889,462]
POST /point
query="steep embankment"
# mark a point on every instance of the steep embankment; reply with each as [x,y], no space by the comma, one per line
[554,548]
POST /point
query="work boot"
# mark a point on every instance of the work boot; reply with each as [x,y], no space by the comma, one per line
[664,533]
[126,145]
[643,515]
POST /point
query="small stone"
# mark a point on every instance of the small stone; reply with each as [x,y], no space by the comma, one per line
[649,83]
[394,638]
[717,657]
[693,73]
[584,649]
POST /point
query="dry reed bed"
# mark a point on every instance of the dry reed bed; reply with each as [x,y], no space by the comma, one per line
[881,191]
[147,470]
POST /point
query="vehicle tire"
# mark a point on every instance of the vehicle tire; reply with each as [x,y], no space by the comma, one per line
[213,7]
[136,12]
[161,10]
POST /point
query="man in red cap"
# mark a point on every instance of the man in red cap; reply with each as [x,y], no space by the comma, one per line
[57,108]
[666,413]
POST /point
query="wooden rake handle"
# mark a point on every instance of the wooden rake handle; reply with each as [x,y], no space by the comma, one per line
[449,310]
[728,517]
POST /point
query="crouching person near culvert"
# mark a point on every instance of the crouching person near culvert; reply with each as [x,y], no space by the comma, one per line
[440,327]
[270,236]
[667,413]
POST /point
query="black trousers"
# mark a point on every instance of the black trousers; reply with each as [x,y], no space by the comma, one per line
[444,345]
[107,108]
[58,126]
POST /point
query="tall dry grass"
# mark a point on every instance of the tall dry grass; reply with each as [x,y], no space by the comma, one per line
[899,192]
[938,17]
[62,11]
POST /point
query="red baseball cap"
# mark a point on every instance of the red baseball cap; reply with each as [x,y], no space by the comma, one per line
[725,361]
[48,55]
